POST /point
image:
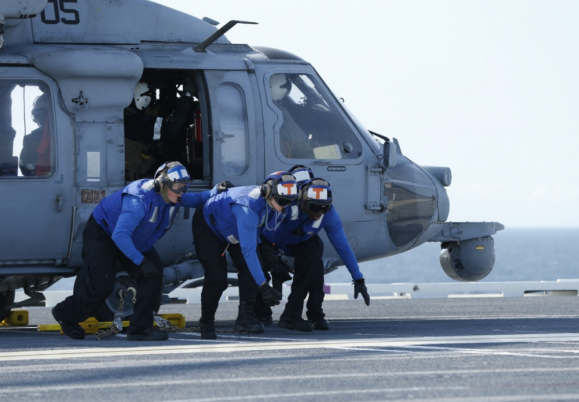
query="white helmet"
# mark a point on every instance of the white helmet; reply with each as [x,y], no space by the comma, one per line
[279,85]
[39,109]
[142,95]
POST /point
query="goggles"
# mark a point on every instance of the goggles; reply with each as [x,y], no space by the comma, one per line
[177,188]
[283,202]
[317,208]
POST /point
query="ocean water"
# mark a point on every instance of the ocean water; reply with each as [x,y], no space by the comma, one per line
[521,255]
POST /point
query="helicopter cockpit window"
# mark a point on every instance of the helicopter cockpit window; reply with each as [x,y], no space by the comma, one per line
[311,125]
[26,138]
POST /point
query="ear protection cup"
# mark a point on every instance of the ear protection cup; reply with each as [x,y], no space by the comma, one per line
[266,190]
[157,182]
[302,194]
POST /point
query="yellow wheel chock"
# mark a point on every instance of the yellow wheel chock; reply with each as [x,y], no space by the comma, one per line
[91,326]
[16,318]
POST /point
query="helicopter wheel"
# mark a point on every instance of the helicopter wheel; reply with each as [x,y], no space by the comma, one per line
[6,299]
[106,312]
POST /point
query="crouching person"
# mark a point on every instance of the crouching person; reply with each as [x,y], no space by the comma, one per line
[232,221]
[298,236]
[124,227]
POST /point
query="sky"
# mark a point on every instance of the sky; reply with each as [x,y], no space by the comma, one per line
[488,88]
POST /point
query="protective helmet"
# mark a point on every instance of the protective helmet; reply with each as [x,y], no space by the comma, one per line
[142,95]
[169,175]
[280,86]
[282,187]
[302,173]
[40,109]
[316,195]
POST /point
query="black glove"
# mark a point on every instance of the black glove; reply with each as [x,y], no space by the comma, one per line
[281,271]
[224,185]
[148,269]
[360,287]
[269,256]
[270,296]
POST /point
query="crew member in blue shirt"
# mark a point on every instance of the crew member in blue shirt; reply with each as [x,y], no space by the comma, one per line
[298,236]
[232,221]
[124,227]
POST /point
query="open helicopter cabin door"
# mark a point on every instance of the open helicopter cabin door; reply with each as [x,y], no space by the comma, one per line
[36,172]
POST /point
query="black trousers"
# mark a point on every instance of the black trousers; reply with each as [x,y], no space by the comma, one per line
[210,248]
[308,278]
[100,254]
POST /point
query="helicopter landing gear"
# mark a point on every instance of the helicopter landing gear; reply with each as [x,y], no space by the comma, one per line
[110,307]
[6,300]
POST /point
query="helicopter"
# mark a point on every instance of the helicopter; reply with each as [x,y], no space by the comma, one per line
[95,94]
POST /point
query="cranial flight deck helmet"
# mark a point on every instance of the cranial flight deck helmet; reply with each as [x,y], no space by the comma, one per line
[316,196]
[40,109]
[302,173]
[142,95]
[282,187]
[168,175]
[280,86]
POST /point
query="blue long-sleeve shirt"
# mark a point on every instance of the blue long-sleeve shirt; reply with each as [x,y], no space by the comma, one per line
[247,226]
[240,215]
[299,227]
[126,234]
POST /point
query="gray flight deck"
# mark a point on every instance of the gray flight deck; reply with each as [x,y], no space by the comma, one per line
[447,349]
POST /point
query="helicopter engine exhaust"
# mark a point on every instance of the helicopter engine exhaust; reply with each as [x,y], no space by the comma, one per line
[468,260]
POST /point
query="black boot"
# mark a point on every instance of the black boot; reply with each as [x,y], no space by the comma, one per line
[266,321]
[320,324]
[71,329]
[297,323]
[149,334]
[246,321]
[207,327]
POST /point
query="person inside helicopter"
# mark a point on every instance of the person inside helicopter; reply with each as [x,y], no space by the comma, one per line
[311,125]
[36,148]
[293,139]
[158,122]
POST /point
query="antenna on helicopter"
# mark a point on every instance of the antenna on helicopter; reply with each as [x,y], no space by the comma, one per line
[218,34]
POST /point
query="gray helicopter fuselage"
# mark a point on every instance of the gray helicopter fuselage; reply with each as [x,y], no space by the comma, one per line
[88,56]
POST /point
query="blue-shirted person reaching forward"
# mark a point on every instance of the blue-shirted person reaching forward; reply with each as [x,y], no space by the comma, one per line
[233,221]
[124,227]
[298,236]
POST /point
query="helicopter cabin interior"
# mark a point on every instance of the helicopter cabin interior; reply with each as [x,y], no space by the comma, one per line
[162,123]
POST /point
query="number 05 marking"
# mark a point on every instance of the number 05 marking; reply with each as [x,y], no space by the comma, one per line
[69,16]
